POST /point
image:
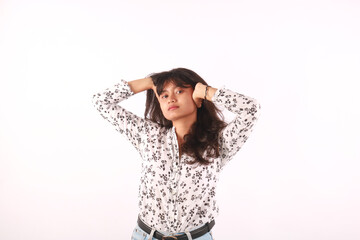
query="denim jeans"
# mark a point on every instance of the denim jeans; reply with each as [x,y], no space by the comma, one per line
[139,234]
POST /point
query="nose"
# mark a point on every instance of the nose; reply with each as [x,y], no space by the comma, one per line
[171,98]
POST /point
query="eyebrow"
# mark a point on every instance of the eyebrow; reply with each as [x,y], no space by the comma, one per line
[164,90]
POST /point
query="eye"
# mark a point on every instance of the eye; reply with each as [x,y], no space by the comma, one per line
[163,96]
[180,91]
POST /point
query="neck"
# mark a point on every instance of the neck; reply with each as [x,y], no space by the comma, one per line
[182,127]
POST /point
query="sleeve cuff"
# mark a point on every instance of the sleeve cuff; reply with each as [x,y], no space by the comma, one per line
[126,87]
[215,96]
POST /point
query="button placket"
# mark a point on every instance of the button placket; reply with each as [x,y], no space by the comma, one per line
[175,164]
[174,179]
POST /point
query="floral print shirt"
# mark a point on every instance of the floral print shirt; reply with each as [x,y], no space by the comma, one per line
[174,196]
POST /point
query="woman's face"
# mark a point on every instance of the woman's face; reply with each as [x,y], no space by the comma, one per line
[177,103]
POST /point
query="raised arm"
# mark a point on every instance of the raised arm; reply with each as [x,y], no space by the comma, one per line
[141,85]
[247,111]
[133,127]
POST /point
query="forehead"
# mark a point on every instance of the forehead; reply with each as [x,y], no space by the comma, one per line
[169,85]
[172,85]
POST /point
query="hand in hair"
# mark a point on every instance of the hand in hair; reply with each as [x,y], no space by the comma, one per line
[198,94]
[153,87]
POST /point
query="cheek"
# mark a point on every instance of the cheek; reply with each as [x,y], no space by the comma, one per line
[163,108]
[190,101]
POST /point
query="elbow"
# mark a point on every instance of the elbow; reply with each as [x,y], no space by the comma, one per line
[95,100]
[256,109]
[258,106]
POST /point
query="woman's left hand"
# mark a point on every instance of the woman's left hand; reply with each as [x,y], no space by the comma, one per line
[198,94]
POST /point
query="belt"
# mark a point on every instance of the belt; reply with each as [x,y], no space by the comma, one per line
[194,234]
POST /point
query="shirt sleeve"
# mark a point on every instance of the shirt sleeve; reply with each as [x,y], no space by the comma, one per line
[235,134]
[133,127]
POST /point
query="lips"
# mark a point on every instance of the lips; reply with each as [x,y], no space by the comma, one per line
[172,107]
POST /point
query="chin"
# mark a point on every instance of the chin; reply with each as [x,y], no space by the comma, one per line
[170,118]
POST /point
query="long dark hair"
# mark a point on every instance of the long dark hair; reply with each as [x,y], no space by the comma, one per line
[203,136]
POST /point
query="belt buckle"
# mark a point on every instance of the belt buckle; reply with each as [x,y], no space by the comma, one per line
[169,238]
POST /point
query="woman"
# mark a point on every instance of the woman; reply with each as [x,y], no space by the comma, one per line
[184,145]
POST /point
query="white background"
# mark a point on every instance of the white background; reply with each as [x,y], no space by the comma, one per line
[65,173]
